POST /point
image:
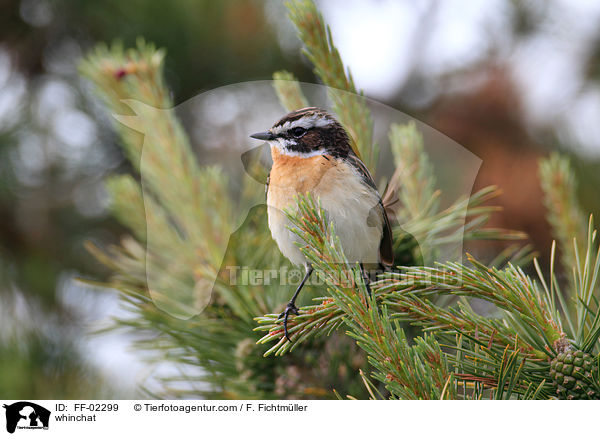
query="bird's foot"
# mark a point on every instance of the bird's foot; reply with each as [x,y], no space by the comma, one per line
[290,308]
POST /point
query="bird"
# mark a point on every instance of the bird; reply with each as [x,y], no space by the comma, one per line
[312,154]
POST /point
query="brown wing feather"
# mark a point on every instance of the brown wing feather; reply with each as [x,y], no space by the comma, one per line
[386,247]
[386,250]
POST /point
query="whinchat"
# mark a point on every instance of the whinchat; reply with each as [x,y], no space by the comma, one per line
[311,153]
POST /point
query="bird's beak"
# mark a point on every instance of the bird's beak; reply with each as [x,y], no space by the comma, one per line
[265,136]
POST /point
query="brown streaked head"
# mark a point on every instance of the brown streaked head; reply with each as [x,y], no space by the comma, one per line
[308,132]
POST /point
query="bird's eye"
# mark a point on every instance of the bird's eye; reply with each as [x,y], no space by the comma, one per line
[298,132]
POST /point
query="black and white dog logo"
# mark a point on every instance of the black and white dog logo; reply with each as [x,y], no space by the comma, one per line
[26,415]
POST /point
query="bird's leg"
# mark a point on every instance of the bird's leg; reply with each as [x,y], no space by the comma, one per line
[366,278]
[291,306]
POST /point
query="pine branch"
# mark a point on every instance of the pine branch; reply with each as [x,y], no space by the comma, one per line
[462,221]
[181,201]
[110,68]
[348,104]
[128,203]
[412,200]
[581,312]
[480,343]
[527,311]
[587,293]
[564,213]
[408,372]
[457,320]
[580,307]
[503,374]
[413,180]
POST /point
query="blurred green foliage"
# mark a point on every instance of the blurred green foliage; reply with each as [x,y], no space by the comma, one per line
[43,367]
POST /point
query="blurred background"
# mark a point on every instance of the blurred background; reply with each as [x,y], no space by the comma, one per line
[508,80]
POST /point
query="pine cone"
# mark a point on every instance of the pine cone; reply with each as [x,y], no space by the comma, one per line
[571,374]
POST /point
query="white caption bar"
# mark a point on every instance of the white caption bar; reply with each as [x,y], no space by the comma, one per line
[308,418]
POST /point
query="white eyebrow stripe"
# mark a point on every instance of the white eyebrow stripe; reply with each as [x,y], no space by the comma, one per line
[304,122]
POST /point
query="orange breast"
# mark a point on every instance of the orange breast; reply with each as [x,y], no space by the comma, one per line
[291,175]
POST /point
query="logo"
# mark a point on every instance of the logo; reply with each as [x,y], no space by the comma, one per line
[26,415]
